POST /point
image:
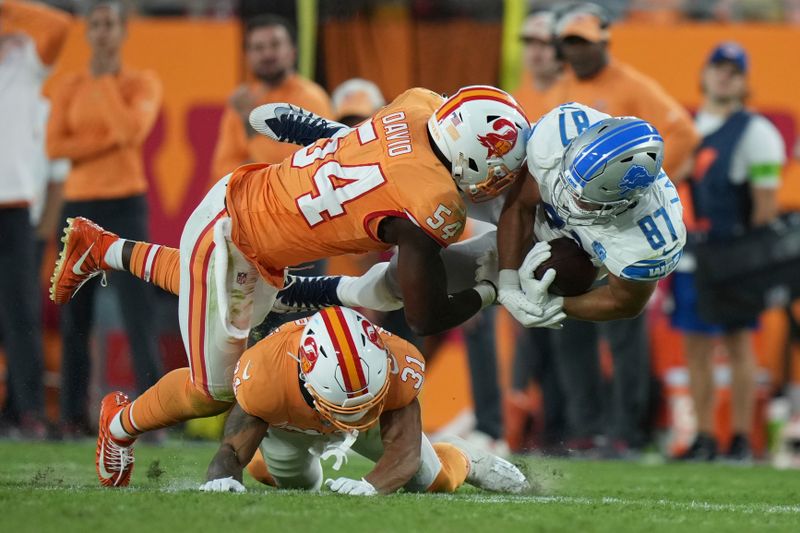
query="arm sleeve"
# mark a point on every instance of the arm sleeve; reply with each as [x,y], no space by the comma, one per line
[131,120]
[47,27]
[765,153]
[61,142]
[671,120]
[231,150]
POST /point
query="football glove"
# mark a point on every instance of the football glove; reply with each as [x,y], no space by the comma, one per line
[536,291]
[225,484]
[351,487]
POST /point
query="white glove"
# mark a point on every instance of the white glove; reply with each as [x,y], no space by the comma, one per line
[225,484]
[536,291]
[509,293]
[352,487]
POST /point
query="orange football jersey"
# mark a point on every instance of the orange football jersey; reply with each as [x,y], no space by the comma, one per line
[267,385]
[328,198]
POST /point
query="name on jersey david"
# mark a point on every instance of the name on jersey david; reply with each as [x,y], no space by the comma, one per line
[398,138]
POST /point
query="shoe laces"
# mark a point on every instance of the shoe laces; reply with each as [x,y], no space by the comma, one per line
[302,128]
[301,294]
[117,458]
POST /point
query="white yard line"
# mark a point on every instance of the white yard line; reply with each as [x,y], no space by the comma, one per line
[672,505]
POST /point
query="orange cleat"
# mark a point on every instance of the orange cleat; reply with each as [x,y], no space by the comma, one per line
[114,457]
[81,258]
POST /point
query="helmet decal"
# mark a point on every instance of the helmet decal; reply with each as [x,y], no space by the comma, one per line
[349,362]
[635,178]
[309,353]
[372,334]
[499,144]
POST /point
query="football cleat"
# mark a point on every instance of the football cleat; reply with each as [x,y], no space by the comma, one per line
[489,472]
[302,294]
[114,457]
[289,123]
[82,257]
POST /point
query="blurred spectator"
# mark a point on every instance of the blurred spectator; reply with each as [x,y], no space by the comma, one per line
[270,54]
[734,188]
[600,81]
[31,36]
[542,66]
[99,120]
[355,100]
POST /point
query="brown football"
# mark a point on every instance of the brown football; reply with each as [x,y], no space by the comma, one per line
[575,272]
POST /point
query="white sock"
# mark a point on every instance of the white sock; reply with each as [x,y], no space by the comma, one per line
[114,254]
[371,290]
[117,430]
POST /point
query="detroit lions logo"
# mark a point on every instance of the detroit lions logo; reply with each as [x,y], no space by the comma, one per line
[635,178]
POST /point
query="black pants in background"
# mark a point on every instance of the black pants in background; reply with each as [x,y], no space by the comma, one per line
[589,411]
[126,217]
[482,357]
[535,358]
[20,311]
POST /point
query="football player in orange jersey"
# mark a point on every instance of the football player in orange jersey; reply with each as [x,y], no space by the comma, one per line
[316,387]
[394,180]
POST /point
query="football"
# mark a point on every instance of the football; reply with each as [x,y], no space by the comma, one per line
[575,272]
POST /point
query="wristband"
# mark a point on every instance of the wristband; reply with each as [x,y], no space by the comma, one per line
[487,291]
[508,278]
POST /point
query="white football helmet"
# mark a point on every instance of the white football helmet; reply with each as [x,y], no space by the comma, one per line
[345,366]
[481,132]
[606,169]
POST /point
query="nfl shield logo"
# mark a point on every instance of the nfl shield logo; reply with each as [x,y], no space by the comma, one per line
[241,278]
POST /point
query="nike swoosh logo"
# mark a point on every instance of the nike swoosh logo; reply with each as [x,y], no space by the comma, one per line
[246,373]
[76,268]
[102,462]
[667,252]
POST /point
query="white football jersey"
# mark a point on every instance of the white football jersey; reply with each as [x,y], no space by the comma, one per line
[643,243]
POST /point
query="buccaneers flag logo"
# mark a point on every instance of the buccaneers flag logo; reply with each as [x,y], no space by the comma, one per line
[500,143]
[308,355]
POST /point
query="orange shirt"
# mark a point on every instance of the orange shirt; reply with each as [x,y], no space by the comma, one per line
[621,90]
[234,148]
[100,124]
[534,102]
[329,197]
[267,385]
[46,26]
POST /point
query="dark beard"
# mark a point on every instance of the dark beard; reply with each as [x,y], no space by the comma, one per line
[273,79]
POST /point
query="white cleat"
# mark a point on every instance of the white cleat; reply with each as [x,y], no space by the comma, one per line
[489,472]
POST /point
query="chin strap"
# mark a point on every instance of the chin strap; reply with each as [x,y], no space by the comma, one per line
[335,447]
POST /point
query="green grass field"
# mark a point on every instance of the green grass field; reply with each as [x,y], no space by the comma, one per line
[52,487]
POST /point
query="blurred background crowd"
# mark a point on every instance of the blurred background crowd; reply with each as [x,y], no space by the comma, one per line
[127,112]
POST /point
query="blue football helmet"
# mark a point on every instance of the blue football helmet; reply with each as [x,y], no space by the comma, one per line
[606,169]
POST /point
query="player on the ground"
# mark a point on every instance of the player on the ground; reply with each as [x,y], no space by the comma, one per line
[316,387]
[393,181]
[593,178]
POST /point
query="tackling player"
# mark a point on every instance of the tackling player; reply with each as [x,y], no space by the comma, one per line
[386,183]
[318,386]
[593,178]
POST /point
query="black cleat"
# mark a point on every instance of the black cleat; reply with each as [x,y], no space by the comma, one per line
[289,123]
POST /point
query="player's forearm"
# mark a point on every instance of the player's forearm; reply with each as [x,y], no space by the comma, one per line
[514,236]
[225,463]
[439,318]
[392,471]
[601,304]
